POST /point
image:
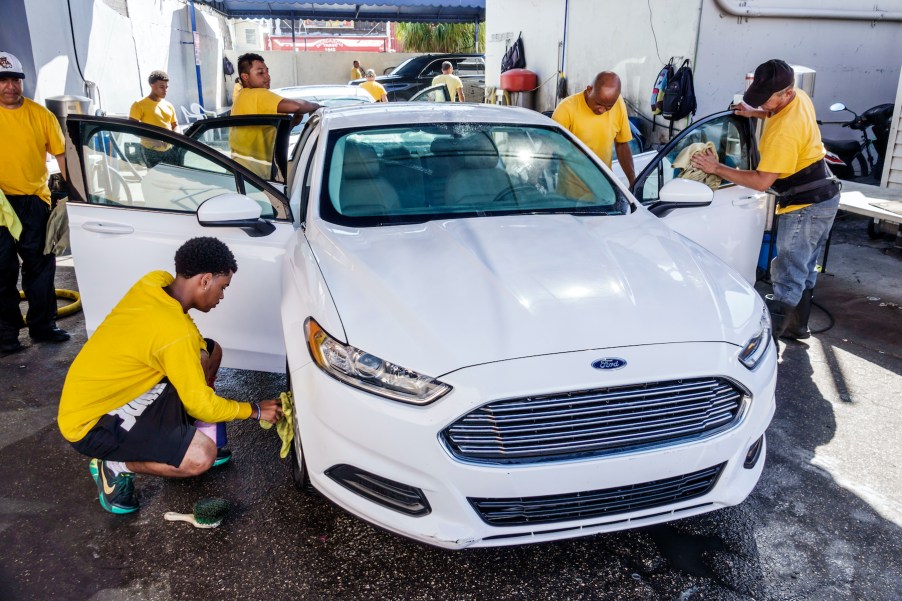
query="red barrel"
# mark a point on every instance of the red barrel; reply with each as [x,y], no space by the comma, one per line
[518,80]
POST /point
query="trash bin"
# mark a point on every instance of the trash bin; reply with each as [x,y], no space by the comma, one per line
[63,106]
[521,83]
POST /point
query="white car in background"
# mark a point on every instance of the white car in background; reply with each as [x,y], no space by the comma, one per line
[490,341]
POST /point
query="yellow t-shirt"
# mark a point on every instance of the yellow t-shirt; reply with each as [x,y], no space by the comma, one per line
[160,113]
[235,89]
[252,145]
[791,141]
[453,83]
[598,132]
[376,89]
[145,337]
[357,73]
[29,133]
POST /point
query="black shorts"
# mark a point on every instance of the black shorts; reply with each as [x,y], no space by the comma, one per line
[153,427]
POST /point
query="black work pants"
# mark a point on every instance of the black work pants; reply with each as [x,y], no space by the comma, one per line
[38,270]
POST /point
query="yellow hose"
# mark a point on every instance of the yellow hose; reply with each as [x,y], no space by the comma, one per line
[66,310]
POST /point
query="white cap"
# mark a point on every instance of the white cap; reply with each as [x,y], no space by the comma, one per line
[10,66]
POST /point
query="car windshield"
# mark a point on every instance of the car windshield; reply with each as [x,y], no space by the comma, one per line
[417,173]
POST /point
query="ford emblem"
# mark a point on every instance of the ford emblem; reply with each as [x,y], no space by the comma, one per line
[609,363]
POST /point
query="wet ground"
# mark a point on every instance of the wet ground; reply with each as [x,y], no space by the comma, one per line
[823,523]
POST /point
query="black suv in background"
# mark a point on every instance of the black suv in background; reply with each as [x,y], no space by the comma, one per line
[416,74]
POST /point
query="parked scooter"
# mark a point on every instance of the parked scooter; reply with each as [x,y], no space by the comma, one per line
[860,160]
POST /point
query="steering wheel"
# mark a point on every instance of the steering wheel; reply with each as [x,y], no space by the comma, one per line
[513,189]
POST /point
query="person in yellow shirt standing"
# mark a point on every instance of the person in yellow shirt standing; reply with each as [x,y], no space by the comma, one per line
[357,71]
[792,164]
[452,82]
[253,145]
[598,117]
[130,391]
[155,110]
[30,132]
[375,88]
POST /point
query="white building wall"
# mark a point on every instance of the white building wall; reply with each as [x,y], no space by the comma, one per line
[118,52]
[857,62]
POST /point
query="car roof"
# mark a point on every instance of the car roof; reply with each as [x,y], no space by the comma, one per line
[398,113]
[321,91]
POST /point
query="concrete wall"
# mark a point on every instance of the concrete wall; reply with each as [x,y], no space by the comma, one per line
[856,61]
[307,68]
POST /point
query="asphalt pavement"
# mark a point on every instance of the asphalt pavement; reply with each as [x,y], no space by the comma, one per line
[823,523]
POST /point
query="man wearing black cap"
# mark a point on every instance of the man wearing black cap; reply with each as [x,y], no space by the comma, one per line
[30,131]
[792,164]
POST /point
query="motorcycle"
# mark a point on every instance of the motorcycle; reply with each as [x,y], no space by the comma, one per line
[860,160]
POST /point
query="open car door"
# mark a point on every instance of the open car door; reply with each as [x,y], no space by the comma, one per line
[438,93]
[130,210]
[732,226]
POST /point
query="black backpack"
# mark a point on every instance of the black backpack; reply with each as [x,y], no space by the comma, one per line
[515,57]
[679,95]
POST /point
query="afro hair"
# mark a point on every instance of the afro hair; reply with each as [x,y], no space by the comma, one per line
[204,255]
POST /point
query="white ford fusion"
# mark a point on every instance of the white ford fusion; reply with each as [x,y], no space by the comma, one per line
[489,340]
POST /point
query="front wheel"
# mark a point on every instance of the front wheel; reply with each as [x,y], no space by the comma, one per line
[299,474]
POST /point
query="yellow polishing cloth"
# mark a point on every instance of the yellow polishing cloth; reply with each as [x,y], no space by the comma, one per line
[8,217]
[285,426]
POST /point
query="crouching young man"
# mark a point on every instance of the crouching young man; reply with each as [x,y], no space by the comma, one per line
[130,391]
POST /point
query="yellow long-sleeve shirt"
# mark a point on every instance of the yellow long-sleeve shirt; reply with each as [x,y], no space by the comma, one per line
[145,337]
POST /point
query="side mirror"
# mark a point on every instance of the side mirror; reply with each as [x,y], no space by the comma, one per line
[837,106]
[681,193]
[234,210]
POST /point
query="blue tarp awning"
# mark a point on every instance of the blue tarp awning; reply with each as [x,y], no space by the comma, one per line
[432,11]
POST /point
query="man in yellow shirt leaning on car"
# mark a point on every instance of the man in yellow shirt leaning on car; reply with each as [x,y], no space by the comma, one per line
[130,390]
[252,145]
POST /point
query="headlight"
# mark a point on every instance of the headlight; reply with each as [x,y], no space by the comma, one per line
[368,372]
[757,345]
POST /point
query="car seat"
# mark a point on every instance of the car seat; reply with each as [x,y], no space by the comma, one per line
[481,180]
[362,190]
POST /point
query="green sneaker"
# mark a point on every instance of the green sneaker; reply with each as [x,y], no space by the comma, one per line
[223,456]
[116,493]
[95,471]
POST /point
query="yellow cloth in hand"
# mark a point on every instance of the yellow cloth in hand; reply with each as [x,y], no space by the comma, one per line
[8,217]
[285,426]
[689,172]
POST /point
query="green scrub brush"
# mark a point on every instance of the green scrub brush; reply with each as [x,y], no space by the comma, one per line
[208,513]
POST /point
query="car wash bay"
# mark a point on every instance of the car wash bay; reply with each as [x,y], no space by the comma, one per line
[823,522]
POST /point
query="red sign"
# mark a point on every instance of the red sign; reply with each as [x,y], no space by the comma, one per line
[327,44]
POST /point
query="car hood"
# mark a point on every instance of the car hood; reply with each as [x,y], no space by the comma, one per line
[442,295]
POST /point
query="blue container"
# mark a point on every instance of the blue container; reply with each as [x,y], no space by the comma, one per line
[764,257]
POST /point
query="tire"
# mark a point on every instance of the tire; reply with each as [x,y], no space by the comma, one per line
[299,473]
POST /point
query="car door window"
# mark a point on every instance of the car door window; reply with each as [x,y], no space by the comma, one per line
[470,66]
[725,134]
[437,93]
[257,142]
[434,68]
[128,167]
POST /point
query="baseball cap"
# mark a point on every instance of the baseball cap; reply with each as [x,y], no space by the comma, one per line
[10,66]
[770,77]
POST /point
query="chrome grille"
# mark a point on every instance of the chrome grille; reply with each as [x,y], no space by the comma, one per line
[595,503]
[594,422]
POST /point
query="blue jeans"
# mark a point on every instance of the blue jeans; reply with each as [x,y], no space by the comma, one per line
[801,237]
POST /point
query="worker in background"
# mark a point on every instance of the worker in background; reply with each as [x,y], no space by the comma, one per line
[30,132]
[792,164]
[253,145]
[598,117]
[376,89]
[130,390]
[155,110]
[452,82]
[357,72]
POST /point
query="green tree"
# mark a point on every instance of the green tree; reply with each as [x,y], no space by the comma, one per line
[440,37]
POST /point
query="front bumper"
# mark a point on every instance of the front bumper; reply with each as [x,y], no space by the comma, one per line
[340,425]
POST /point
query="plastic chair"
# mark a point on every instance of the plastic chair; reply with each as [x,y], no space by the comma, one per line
[199,110]
[191,117]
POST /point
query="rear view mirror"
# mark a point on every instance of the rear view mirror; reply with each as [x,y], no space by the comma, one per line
[234,210]
[681,193]
[837,106]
